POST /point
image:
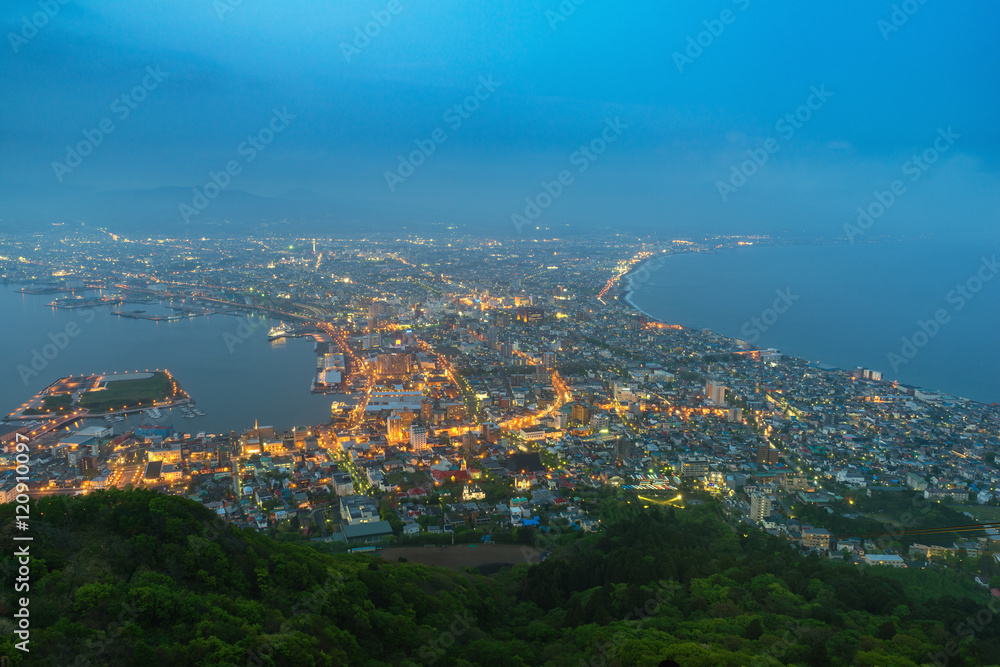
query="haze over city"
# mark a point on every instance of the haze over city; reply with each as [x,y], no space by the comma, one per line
[552,332]
[561,70]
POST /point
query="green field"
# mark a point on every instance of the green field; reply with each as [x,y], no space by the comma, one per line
[60,404]
[984,513]
[129,394]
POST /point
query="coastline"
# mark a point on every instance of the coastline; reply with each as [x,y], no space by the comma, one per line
[628,291]
[640,275]
[188,347]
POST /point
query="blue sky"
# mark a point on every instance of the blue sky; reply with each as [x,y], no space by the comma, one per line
[559,82]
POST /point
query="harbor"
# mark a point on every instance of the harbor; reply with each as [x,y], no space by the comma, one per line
[194,348]
[86,302]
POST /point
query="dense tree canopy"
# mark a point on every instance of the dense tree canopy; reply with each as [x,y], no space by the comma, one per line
[136,577]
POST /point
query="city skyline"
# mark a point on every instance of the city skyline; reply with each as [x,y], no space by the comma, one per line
[553,332]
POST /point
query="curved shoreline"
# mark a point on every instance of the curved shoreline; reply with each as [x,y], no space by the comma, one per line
[626,293]
[630,290]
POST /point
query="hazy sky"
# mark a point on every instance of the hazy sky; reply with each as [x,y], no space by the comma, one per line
[680,94]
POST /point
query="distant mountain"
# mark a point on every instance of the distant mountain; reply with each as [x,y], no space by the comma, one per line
[162,211]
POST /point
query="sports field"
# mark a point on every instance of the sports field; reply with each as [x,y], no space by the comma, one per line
[122,392]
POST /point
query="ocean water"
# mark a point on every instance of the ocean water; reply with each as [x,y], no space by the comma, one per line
[924,313]
[231,371]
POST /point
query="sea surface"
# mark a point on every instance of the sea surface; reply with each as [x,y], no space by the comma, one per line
[846,305]
[224,362]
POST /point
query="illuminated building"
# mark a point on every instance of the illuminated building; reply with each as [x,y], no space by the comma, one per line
[760,506]
[581,413]
[600,422]
[692,466]
[815,538]
[766,454]
[418,437]
[531,315]
[394,428]
[715,393]
[490,431]
[394,365]
[394,399]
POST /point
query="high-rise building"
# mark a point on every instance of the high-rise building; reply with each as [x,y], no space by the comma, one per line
[407,417]
[394,365]
[581,413]
[468,439]
[600,422]
[530,314]
[394,428]
[692,466]
[623,448]
[766,454]
[866,374]
[418,437]
[715,393]
[549,359]
[489,431]
[379,309]
[760,506]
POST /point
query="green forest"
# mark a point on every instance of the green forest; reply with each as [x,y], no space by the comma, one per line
[140,578]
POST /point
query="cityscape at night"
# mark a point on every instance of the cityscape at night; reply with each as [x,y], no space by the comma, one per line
[543,334]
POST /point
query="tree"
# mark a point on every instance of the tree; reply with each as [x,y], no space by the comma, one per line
[886,630]
[754,630]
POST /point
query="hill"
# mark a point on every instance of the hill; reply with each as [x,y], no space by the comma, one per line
[137,577]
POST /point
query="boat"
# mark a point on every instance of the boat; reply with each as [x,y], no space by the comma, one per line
[198,411]
[278,332]
[154,413]
[109,419]
[119,418]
